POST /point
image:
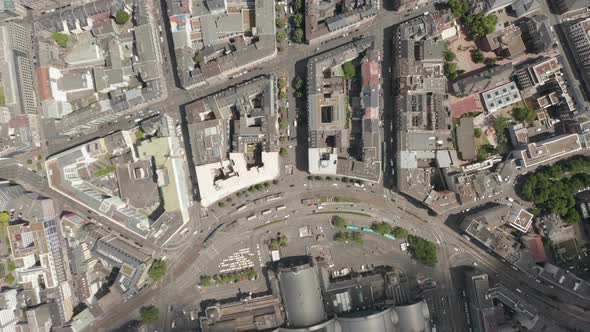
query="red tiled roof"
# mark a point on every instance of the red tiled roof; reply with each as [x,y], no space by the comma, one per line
[463,106]
[537,249]
[370,73]
[43,82]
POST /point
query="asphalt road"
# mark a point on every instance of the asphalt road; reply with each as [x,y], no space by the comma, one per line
[188,262]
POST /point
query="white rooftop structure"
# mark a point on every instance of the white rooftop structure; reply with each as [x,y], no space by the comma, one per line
[502,96]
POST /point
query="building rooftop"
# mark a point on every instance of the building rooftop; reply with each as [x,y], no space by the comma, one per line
[501,96]
[465,139]
[555,147]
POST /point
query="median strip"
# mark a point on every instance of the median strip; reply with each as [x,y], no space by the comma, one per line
[344,212]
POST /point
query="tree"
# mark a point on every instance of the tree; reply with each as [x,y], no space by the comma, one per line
[221,204]
[121,17]
[501,125]
[281,22]
[149,314]
[9,279]
[61,39]
[572,216]
[139,134]
[282,95]
[284,124]
[281,36]
[338,222]
[258,187]
[490,61]
[459,8]
[4,218]
[450,70]
[477,56]
[198,58]
[275,182]
[425,251]
[523,113]
[283,152]
[349,70]
[298,5]
[298,83]
[298,20]
[10,265]
[477,132]
[280,8]
[400,233]
[299,35]
[282,85]
[157,270]
[450,56]
[382,228]
[206,281]
[482,24]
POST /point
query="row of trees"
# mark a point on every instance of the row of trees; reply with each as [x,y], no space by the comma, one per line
[298,18]
[349,237]
[329,178]
[552,188]
[226,278]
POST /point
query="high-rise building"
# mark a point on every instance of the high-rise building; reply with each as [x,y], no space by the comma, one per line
[565,6]
[579,34]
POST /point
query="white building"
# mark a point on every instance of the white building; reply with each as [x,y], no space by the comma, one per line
[501,96]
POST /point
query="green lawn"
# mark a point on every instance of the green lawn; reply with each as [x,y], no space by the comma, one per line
[2,96]
[104,171]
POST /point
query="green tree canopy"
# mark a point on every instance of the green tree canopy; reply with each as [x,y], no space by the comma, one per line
[482,24]
[400,233]
[198,58]
[450,56]
[9,279]
[281,22]
[382,228]
[299,35]
[4,218]
[298,20]
[450,70]
[283,152]
[281,35]
[490,61]
[157,270]
[349,70]
[338,221]
[61,39]
[149,314]
[477,56]
[121,17]
[523,113]
[425,251]
[552,188]
[459,8]
[477,132]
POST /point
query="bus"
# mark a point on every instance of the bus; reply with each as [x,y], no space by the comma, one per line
[368,229]
[352,227]
[252,217]
[389,236]
[281,207]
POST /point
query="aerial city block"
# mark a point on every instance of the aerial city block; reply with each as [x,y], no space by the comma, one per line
[295,165]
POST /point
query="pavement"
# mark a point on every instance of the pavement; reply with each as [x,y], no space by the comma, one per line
[189,256]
